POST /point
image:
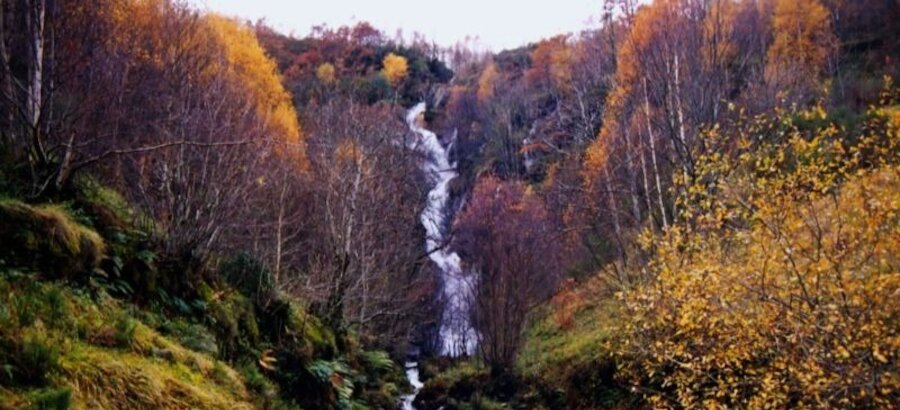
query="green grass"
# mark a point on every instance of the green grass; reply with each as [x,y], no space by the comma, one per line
[88,319]
[573,364]
[551,351]
[90,352]
[47,238]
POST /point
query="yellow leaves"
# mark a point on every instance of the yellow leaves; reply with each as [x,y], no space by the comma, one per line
[325,73]
[348,152]
[560,67]
[487,82]
[248,64]
[395,68]
[139,28]
[718,26]
[790,288]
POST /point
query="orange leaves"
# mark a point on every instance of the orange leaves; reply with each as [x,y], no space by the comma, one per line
[395,68]
[595,159]
[566,303]
[164,36]
[718,27]
[348,152]
[551,63]
[803,41]
[802,32]
[142,30]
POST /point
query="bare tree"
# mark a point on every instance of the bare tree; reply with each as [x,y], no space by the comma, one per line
[506,237]
[366,262]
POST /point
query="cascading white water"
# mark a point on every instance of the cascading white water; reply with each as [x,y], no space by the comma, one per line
[412,373]
[456,332]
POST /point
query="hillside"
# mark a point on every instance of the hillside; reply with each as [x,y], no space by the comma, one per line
[680,204]
[92,320]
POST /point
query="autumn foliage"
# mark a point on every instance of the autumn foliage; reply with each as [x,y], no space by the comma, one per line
[395,68]
[248,63]
[780,289]
[506,237]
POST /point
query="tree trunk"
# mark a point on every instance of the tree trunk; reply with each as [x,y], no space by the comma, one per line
[659,191]
[35,32]
[5,82]
[614,211]
[279,231]
[632,177]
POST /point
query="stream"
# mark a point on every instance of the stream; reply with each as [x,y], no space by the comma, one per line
[456,333]
[412,373]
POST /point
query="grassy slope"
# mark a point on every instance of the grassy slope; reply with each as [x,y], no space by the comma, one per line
[552,350]
[92,346]
[65,342]
[568,344]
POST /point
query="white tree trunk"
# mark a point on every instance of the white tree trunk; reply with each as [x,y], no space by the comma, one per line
[659,191]
[35,25]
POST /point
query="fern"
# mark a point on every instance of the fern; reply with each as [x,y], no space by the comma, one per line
[337,374]
[377,360]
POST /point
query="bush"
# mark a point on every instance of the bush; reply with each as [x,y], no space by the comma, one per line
[192,335]
[234,323]
[781,291]
[458,384]
[125,330]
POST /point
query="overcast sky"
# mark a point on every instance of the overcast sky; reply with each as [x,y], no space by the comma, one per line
[499,24]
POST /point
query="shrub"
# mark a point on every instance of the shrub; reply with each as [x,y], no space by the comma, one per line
[460,383]
[192,335]
[376,361]
[234,323]
[125,327]
[782,290]
[106,206]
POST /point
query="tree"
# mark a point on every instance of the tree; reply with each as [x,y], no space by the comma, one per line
[365,258]
[505,236]
[249,64]
[395,68]
[778,288]
[487,83]
[803,42]
[325,73]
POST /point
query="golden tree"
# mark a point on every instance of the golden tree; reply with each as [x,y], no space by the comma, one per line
[803,41]
[325,73]
[395,68]
[248,63]
[487,83]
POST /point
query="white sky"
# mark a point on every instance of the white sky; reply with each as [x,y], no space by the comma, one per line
[499,24]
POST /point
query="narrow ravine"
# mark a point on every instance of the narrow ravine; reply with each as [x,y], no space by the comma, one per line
[457,336]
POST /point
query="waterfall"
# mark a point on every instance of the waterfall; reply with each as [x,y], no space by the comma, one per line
[456,333]
[412,373]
